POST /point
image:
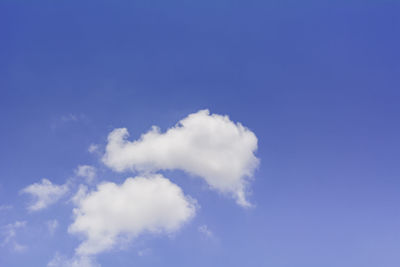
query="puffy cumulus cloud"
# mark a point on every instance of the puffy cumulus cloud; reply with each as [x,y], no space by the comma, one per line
[116,213]
[207,145]
[87,172]
[44,194]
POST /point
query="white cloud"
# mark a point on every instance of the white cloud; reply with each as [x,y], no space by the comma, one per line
[44,193]
[209,146]
[80,194]
[115,213]
[9,233]
[52,226]
[93,148]
[73,117]
[205,231]
[78,261]
[69,117]
[144,252]
[86,171]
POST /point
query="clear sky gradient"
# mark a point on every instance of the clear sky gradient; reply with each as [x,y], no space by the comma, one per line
[318,82]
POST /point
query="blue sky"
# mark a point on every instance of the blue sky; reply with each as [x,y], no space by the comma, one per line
[317,83]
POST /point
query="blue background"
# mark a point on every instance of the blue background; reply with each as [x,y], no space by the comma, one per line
[318,82]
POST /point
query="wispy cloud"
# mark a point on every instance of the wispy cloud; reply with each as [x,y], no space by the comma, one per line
[93,148]
[45,194]
[9,233]
[87,172]
[52,226]
[144,252]
[77,261]
[68,118]
[205,231]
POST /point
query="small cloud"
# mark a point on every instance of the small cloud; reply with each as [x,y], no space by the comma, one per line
[144,252]
[9,233]
[69,117]
[93,148]
[9,230]
[77,261]
[52,226]
[203,229]
[45,194]
[86,171]
[73,117]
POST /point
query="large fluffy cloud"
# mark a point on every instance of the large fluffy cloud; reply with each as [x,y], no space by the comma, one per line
[121,212]
[44,193]
[209,146]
